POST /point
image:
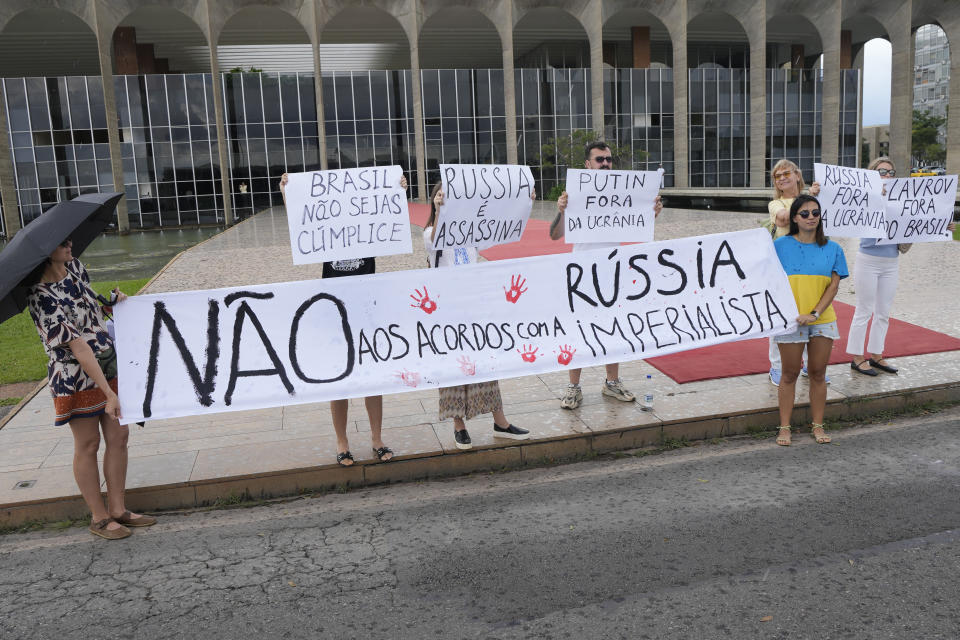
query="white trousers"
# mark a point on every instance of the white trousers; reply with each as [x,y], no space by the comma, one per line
[876,280]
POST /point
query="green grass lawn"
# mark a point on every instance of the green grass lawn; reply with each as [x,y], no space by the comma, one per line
[23,359]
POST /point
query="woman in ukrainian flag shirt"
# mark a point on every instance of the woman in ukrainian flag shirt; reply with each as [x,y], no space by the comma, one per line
[814,266]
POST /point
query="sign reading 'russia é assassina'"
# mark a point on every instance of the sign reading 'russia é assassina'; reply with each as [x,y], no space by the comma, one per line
[199,352]
[851,201]
[347,213]
[919,209]
[610,206]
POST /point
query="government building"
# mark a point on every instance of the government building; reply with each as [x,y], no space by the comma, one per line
[194,108]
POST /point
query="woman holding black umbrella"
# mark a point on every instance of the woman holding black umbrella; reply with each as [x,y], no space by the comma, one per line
[82,373]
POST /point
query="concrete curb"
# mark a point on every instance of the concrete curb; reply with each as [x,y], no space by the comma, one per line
[290,482]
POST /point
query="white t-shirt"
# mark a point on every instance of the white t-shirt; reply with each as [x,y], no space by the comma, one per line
[448,257]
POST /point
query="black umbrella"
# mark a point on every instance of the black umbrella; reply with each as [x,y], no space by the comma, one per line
[81,220]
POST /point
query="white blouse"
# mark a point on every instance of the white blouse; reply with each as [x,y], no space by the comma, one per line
[448,257]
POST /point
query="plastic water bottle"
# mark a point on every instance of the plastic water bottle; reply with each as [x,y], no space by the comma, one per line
[647,404]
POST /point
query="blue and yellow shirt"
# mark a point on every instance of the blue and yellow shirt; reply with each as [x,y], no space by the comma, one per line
[810,268]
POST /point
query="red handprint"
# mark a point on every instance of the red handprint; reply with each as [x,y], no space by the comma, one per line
[468,367]
[516,288]
[529,354]
[423,301]
[409,378]
[566,354]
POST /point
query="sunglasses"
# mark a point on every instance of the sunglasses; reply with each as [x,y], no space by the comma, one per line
[806,214]
[782,175]
[887,172]
[603,159]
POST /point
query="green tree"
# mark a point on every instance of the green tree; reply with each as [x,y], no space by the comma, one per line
[925,145]
[567,151]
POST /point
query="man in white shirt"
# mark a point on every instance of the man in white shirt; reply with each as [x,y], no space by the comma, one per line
[596,156]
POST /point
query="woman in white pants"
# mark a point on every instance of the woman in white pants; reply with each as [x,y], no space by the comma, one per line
[875,273]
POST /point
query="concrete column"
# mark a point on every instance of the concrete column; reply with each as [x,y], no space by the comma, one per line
[640,40]
[509,85]
[413,32]
[758,96]
[829,27]
[318,86]
[8,189]
[594,21]
[953,116]
[104,48]
[681,104]
[901,86]
[222,155]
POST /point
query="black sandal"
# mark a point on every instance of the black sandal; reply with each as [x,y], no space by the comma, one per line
[346,455]
[382,451]
[867,372]
[889,368]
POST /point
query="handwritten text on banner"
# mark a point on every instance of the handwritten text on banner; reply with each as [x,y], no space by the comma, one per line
[347,213]
[851,201]
[919,209]
[610,206]
[200,352]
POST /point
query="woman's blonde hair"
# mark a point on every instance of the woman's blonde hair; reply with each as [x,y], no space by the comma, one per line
[783,163]
[876,163]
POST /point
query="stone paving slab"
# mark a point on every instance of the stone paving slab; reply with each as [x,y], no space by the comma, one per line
[191,461]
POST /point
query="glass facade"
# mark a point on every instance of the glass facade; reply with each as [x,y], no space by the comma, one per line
[719,127]
[931,69]
[638,108]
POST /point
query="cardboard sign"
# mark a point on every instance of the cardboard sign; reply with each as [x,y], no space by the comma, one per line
[851,201]
[483,205]
[347,213]
[919,209]
[201,352]
[610,206]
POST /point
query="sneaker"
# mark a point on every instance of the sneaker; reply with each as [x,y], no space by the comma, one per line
[462,439]
[803,372]
[572,397]
[515,433]
[615,388]
[775,377]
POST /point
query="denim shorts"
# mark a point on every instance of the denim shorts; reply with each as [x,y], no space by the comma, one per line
[807,331]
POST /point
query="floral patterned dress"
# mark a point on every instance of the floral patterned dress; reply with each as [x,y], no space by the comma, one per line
[64,311]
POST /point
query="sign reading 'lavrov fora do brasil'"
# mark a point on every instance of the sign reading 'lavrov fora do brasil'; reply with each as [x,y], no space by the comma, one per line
[198,352]
[919,209]
[347,213]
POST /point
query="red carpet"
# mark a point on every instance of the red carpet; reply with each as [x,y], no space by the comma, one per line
[750,356]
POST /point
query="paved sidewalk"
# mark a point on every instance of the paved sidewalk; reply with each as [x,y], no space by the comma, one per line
[197,460]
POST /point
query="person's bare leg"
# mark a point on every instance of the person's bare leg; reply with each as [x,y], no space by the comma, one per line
[500,418]
[574,375]
[790,356]
[819,356]
[613,371]
[459,424]
[115,457]
[338,411]
[374,406]
[86,443]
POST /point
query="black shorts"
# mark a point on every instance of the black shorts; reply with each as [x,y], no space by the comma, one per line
[364,266]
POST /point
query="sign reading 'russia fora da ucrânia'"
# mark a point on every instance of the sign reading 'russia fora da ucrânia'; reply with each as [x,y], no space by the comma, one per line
[483,205]
[347,213]
[851,201]
[288,343]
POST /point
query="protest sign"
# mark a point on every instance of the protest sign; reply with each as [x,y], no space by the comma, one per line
[483,205]
[610,206]
[347,213]
[919,209]
[237,348]
[851,201]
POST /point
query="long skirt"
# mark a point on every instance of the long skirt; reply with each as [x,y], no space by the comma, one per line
[468,400]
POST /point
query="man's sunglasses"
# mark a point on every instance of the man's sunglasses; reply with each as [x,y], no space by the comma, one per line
[806,214]
[603,159]
[887,172]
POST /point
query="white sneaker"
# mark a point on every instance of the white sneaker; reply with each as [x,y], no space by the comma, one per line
[572,397]
[615,389]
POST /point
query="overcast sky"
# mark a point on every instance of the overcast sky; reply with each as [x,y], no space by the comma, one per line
[876,82]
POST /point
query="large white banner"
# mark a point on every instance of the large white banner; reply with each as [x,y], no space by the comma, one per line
[851,201]
[483,205]
[610,206]
[200,352]
[347,213]
[919,209]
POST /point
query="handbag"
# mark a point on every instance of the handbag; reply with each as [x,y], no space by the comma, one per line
[107,359]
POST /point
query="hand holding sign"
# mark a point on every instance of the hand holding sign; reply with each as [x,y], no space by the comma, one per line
[851,201]
[610,206]
[919,209]
[347,213]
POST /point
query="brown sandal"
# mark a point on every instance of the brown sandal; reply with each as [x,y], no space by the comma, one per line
[128,520]
[100,529]
[822,437]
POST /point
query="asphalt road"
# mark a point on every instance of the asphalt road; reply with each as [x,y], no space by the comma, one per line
[742,539]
